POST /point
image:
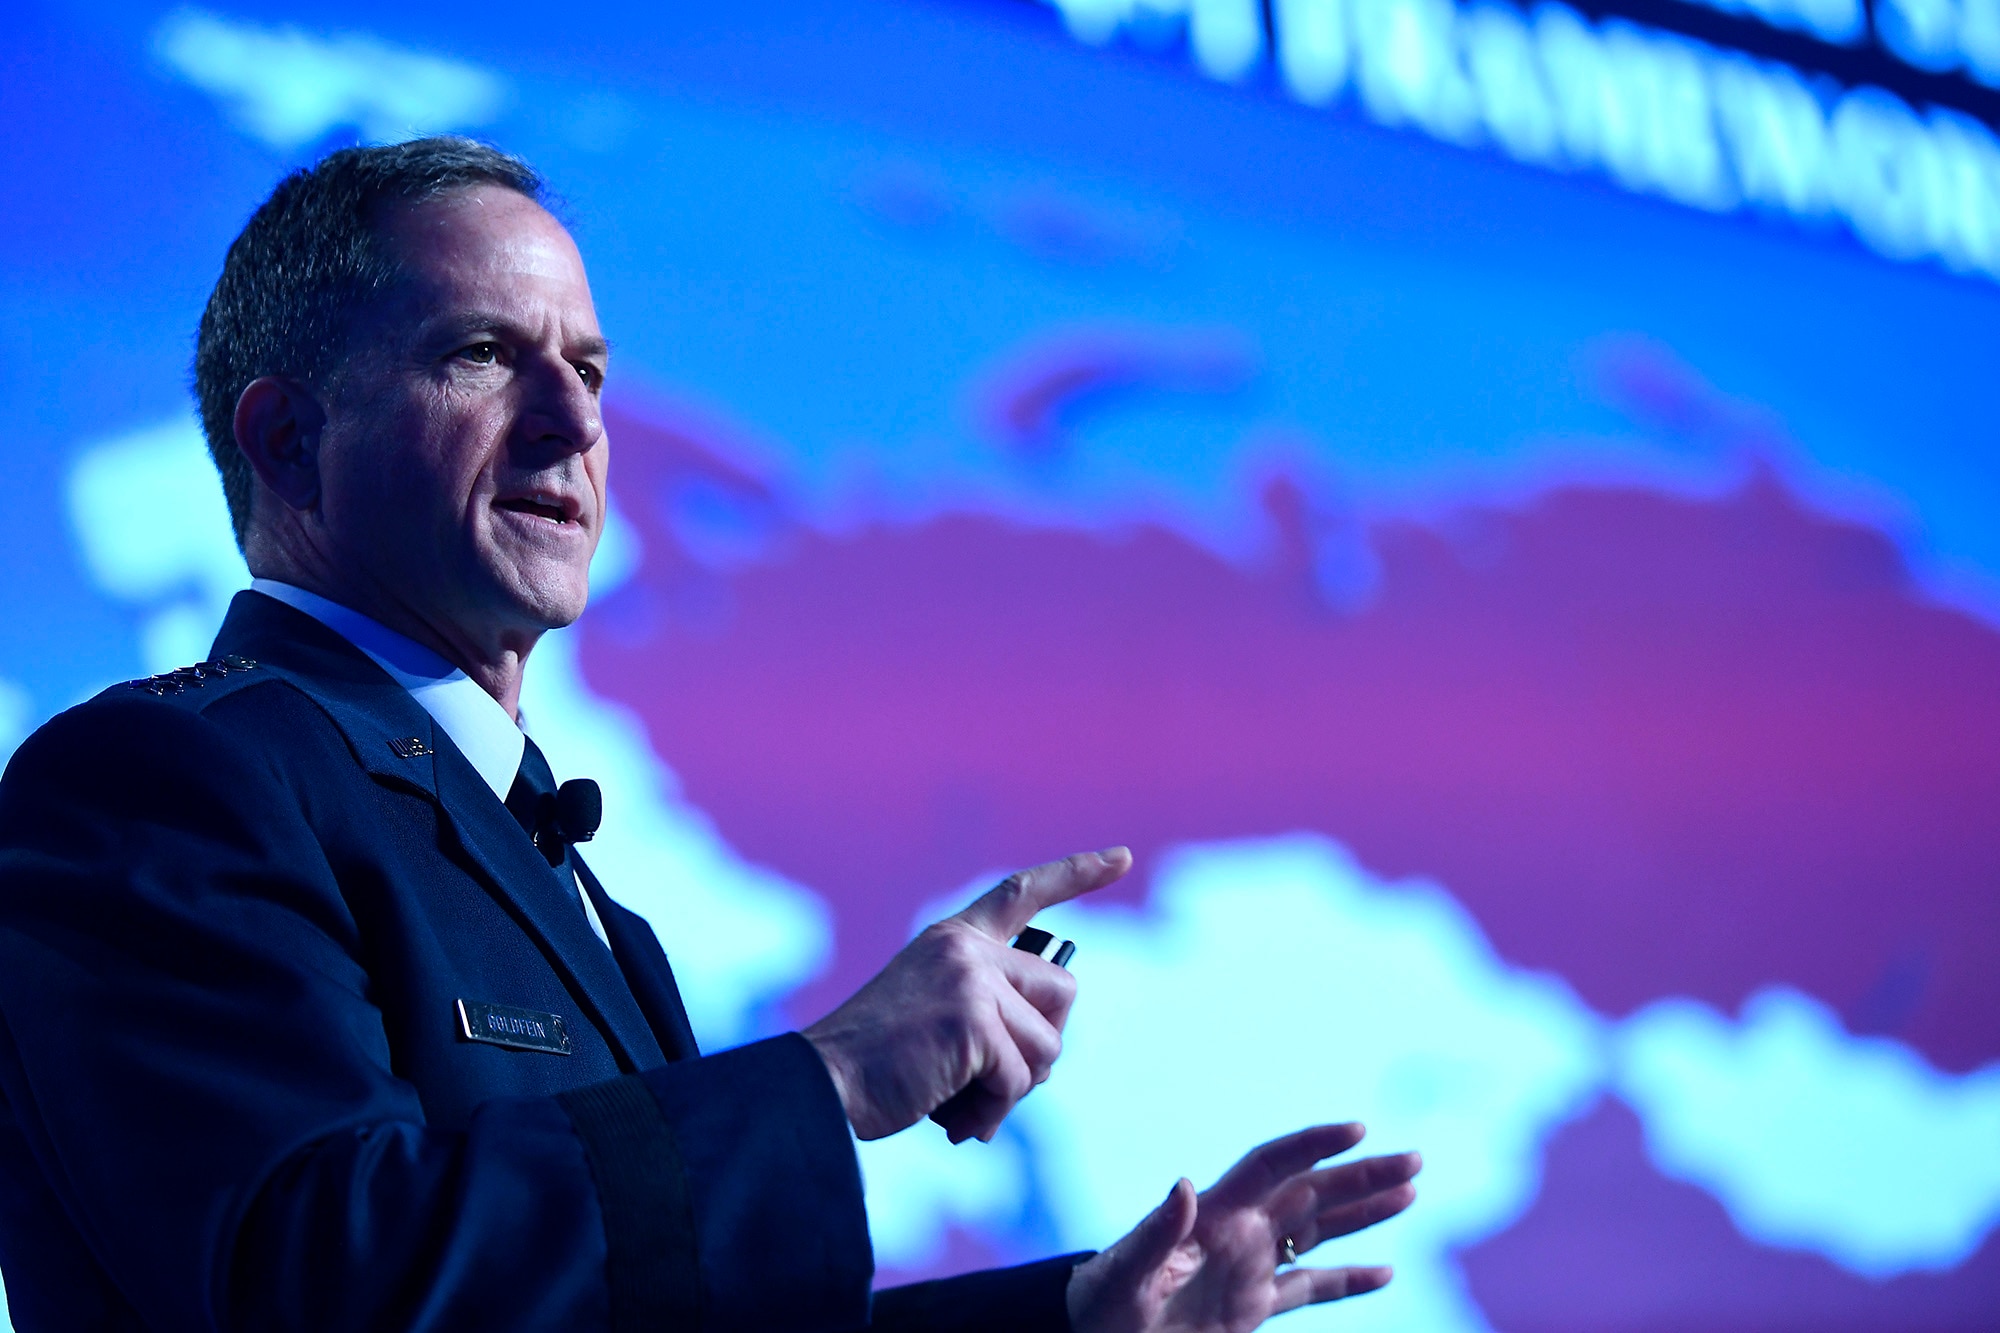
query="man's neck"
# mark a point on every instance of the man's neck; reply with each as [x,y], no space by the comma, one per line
[495,663]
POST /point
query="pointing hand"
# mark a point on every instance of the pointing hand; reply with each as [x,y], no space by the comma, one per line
[958,1011]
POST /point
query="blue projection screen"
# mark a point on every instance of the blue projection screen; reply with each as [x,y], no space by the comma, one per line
[1495,504]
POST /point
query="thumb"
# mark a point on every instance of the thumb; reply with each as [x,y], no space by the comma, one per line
[1147,1246]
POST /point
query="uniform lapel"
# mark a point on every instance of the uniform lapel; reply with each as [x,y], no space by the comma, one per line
[545,906]
[644,964]
[380,720]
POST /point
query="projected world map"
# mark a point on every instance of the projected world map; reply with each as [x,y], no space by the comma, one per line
[1540,737]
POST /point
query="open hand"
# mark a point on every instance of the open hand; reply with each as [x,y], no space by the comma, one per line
[1214,1262]
[959,1012]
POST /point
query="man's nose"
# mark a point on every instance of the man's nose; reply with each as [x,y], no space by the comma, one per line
[561,413]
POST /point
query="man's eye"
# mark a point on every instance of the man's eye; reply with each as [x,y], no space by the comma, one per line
[590,374]
[481,354]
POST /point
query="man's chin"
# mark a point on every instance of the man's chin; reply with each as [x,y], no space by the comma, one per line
[556,612]
[543,599]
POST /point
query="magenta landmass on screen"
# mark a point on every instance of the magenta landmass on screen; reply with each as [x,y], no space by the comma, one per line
[1611,1244]
[1658,745]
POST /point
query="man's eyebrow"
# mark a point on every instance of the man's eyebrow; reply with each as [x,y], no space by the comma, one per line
[447,328]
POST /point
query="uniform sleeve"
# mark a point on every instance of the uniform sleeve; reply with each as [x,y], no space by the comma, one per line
[1030,1298]
[191,1054]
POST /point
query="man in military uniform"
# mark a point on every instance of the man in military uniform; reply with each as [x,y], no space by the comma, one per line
[313,1016]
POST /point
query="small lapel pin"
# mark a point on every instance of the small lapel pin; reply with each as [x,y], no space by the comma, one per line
[410,747]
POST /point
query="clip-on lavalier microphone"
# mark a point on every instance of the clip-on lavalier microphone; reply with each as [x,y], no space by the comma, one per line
[568,815]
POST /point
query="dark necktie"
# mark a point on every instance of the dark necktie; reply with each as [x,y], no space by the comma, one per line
[533,781]
[532,802]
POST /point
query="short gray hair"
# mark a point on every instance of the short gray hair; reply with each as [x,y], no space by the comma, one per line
[309,257]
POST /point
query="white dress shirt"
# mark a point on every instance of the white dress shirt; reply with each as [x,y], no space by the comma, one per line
[481,729]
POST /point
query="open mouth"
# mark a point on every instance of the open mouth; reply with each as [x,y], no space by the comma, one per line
[538,506]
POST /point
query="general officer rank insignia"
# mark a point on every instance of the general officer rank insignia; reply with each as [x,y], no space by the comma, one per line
[192,677]
[504,1025]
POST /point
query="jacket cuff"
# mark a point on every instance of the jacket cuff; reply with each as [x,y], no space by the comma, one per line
[772,1188]
[1032,1298]
[650,1271]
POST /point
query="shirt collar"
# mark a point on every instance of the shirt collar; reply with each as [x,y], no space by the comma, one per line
[474,719]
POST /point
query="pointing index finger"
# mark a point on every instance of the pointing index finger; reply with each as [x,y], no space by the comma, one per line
[1005,908]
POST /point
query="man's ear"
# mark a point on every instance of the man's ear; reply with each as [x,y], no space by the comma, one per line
[278,424]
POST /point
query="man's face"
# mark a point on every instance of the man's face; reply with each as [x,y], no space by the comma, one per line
[463,459]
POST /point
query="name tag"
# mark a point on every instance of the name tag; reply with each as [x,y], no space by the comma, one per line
[504,1025]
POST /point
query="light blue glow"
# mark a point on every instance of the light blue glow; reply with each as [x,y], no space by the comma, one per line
[1815,1139]
[290,88]
[17,716]
[1236,999]
[1224,37]
[149,517]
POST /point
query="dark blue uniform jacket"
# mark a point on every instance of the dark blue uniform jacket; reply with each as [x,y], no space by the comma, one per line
[236,923]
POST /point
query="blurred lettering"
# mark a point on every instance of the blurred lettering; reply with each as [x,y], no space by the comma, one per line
[1656,112]
[1944,35]
[1828,20]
